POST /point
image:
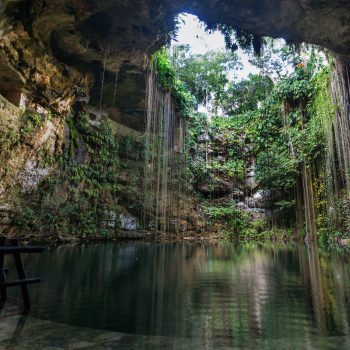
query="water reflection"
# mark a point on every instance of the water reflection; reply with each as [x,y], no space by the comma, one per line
[222,293]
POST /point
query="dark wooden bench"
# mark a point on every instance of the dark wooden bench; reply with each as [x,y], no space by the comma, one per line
[12,246]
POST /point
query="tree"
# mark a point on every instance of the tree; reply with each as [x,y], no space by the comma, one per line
[207,76]
[246,95]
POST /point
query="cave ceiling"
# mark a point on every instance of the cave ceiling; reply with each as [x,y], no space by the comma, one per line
[75,39]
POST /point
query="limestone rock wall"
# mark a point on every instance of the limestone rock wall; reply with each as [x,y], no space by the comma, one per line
[56,50]
[59,53]
[28,141]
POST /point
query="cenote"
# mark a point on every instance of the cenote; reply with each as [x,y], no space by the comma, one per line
[184,167]
[209,295]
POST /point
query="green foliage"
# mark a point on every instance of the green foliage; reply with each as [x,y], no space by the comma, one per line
[338,220]
[236,221]
[206,76]
[245,95]
[9,140]
[239,225]
[126,146]
[286,137]
[278,126]
[318,131]
[74,200]
[275,235]
[228,33]
[74,137]
[14,133]
[276,58]
[168,80]
[297,87]
[232,167]
[30,121]
[165,69]
[197,125]
[281,125]
[275,169]
[236,38]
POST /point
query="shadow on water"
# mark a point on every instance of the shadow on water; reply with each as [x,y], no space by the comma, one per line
[211,294]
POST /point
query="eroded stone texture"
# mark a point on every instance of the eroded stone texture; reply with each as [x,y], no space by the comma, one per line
[47,80]
[53,48]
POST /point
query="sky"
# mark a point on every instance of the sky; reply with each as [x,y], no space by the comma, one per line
[192,32]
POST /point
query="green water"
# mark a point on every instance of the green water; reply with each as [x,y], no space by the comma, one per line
[285,296]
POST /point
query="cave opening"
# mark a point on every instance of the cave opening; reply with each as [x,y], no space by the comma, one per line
[244,117]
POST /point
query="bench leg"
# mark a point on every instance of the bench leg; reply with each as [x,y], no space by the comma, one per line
[22,276]
[3,289]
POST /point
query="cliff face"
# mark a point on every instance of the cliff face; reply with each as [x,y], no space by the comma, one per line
[29,142]
[73,64]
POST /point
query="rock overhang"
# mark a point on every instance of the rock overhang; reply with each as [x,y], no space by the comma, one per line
[87,42]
